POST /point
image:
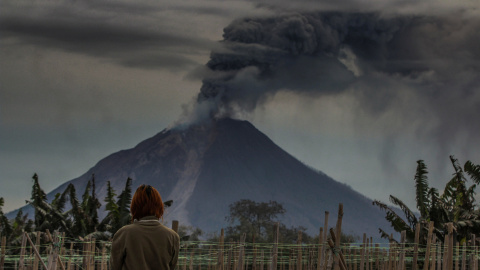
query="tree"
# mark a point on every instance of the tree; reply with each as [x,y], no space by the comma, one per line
[38,200]
[456,205]
[90,206]
[5,228]
[254,219]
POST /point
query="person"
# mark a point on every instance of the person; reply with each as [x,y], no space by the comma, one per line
[145,243]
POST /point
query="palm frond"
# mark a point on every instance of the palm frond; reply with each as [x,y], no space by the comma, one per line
[473,171]
[411,218]
[395,220]
[421,188]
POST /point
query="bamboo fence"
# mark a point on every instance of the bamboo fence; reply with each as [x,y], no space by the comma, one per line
[59,252]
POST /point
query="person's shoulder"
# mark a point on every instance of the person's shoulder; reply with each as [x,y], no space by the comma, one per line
[124,229]
[169,231]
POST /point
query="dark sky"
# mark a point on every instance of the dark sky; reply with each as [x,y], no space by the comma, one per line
[360,95]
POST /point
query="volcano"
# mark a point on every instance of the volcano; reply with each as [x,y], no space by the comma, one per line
[204,168]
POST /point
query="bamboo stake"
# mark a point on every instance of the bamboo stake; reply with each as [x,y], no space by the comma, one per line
[37,246]
[362,253]
[2,258]
[340,264]
[434,253]
[175,225]
[275,247]
[457,256]
[402,250]
[415,247]
[21,263]
[320,248]
[324,247]
[464,256]
[36,252]
[220,253]
[338,232]
[69,266]
[429,243]
[299,251]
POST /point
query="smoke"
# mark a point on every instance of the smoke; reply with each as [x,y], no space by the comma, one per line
[378,59]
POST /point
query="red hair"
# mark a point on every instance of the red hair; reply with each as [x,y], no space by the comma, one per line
[146,202]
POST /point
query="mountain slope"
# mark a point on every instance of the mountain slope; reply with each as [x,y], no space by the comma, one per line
[205,168]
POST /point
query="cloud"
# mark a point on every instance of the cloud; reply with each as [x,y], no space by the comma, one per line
[139,35]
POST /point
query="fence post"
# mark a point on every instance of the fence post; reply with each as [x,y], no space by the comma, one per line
[320,245]
[338,233]
[2,259]
[37,253]
[275,247]
[415,247]
[429,243]
[220,250]
[175,225]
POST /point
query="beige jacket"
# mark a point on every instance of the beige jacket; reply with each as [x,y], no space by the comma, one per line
[144,245]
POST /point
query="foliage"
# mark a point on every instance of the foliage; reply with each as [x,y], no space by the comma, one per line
[5,228]
[254,219]
[455,205]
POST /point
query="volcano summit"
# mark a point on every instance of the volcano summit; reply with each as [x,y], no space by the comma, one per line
[204,168]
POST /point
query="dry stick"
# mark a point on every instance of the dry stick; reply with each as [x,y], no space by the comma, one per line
[362,253]
[220,253]
[371,252]
[325,229]
[334,237]
[434,253]
[415,247]
[338,231]
[457,257]
[37,246]
[2,258]
[341,264]
[36,251]
[474,264]
[402,250]
[262,261]
[69,266]
[355,259]
[320,245]
[439,256]
[429,242]
[175,225]
[21,264]
[275,247]
[299,251]
[241,251]
[367,255]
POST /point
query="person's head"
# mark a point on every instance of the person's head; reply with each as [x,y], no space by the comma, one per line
[146,202]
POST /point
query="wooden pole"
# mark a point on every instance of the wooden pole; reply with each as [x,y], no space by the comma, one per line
[37,246]
[220,252]
[362,252]
[21,263]
[434,253]
[415,247]
[275,247]
[299,251]
[36,252]
[2,258]
[429,243]
[320,248]
[338,232]
[175,225]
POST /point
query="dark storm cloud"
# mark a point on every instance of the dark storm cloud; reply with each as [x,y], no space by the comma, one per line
[430,61]
[122,32]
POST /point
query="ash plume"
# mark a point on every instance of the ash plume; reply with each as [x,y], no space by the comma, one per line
[415,66]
